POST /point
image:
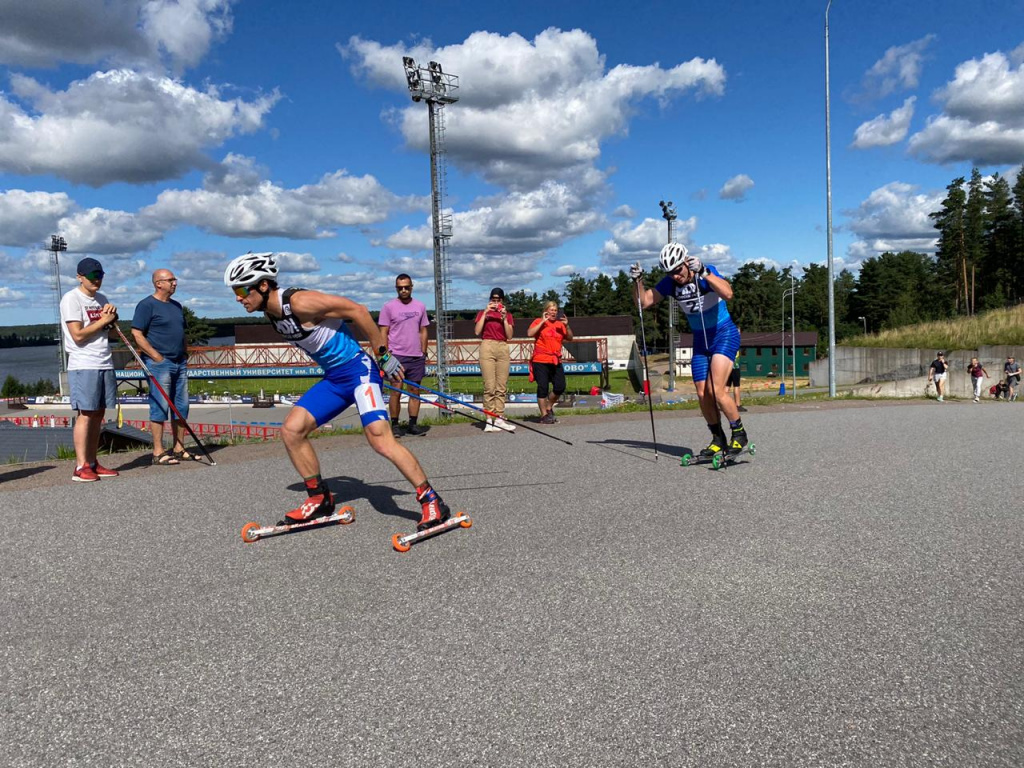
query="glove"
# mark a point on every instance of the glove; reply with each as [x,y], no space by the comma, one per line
[635,271]
[695,265]
[389,364]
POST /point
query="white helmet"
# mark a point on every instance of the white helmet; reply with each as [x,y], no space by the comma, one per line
[672,256]
[250,269]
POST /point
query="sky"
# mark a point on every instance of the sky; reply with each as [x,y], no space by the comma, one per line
[181,133]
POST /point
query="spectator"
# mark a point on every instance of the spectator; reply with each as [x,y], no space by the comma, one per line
[734,379]
[549,331]
[978,375]
[403,323]
[1000,389]
[86,317]
[937,373]
[1012,371]
[494,325]
[158,328]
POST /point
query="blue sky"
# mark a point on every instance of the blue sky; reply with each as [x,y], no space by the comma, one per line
[179,134]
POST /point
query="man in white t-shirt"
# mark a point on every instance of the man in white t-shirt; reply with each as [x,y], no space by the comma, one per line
[86,317]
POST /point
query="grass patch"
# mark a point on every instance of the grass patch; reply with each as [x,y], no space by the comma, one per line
[996,327]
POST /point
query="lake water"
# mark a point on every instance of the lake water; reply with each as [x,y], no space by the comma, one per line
[30,364]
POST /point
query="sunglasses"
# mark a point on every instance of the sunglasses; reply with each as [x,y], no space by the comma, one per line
[241,291]
[93,277]
[403,287]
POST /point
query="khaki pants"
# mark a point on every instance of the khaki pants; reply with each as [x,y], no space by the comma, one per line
[494,363]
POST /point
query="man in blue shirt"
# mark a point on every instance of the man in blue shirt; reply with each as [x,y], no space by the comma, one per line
[159,331]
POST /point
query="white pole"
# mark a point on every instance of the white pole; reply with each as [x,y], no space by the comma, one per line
[828,196]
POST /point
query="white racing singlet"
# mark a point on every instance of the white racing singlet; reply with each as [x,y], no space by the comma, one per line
[330,342]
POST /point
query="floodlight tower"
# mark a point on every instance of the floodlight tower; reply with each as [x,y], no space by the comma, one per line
[57,246]
[438,89]
[668,213]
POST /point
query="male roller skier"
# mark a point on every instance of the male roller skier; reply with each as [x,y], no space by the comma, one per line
[701,293]
[316,323]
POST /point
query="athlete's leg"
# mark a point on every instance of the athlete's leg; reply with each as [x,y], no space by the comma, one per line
[721,368]
[295,433]
[383,442]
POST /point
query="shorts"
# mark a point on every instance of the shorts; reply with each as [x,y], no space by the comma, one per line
[726,342]
[734,378]
[415,367]
[1013,380]
[92,390]
[940,377]
[549,374]
[357,381]
[173,377]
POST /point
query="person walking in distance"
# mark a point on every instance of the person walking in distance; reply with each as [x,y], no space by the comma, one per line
[317,323]
[702,293]
[735,379]
[549,330]
[158,328]
[403,323]
[1012,370]
[86,317]
[978,375]
[494,324]
[937,373]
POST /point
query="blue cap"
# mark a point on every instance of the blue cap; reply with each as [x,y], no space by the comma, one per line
[85,266]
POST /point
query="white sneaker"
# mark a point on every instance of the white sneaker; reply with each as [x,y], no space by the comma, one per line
[489,426]
[504,426]
[940,398]
[977,400]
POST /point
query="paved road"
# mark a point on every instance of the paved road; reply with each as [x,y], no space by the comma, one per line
[851,596]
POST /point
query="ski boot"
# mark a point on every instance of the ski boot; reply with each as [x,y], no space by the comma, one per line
[738,441]
[435,511]
[717,444]
[320,505]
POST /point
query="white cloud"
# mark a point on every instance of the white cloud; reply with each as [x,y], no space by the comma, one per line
[30,217]
[983,115]
[101,129]
[537,109]
[122,32]
[885,130]
[736,188]
[899,69]
[237,202]
[624,212]
[894,218]
[102,231]
[642,242]
[10,297]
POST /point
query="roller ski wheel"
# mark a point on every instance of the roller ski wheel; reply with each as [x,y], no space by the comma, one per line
[402,542]
[687,460]
[253,532]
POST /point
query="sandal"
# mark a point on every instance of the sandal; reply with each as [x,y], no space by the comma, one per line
[165,459]
[184,455]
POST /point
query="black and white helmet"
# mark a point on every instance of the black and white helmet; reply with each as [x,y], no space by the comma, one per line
[673,256]
[250,269]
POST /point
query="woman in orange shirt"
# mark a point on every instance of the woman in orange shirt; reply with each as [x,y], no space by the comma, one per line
[549,330]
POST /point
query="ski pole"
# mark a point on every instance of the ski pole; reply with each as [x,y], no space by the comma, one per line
[492,414]
[434,402]
[152,378]
[647,375]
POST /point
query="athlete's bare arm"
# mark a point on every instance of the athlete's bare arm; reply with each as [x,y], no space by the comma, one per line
[314,306]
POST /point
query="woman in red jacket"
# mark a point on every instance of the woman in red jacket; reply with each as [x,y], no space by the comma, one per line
[549,330]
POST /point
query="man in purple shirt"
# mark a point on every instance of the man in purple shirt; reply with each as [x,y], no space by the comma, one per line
[403,321]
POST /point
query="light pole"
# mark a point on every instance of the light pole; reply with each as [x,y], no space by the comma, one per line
[57,246]
[791,293]
[828,198]
[668,213]
[865,321]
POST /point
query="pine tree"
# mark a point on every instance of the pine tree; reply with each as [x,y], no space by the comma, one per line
[951,255]
[975,221]
[1000,240]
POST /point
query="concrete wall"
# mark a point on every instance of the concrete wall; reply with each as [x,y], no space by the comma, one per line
[904,372]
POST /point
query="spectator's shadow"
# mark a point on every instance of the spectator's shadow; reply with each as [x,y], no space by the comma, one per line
[17,474]
[648,447]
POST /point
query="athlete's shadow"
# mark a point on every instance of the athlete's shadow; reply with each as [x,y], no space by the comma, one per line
[646,446]
[380,497]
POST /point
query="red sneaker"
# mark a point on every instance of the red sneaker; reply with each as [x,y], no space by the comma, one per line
[435,511]
[321,505]
[102,471]
[85,475]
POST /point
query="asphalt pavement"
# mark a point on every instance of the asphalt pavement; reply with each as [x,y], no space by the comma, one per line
[851,595]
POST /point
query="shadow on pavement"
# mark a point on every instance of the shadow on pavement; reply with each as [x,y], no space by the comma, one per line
[642,445]
[17,474]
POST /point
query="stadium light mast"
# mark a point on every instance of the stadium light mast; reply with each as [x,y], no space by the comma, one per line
[828,202]
[668,213]
[57,246]
[432,85]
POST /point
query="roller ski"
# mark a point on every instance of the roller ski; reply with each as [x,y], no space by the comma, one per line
[721,453]
[436,518]
[318,510]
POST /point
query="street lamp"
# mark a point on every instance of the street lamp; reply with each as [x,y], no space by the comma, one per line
[865,321]
[57,246]
[791,293]
[828,197]
[668,213]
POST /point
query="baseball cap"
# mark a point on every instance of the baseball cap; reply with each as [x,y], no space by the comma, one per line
[497,292]
[85,266]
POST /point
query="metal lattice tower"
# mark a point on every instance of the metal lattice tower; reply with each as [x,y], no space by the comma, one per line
[57,246]
[438,89]
[668,213]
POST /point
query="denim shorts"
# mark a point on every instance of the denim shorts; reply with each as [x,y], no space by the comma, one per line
[92,390]
[173,377]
